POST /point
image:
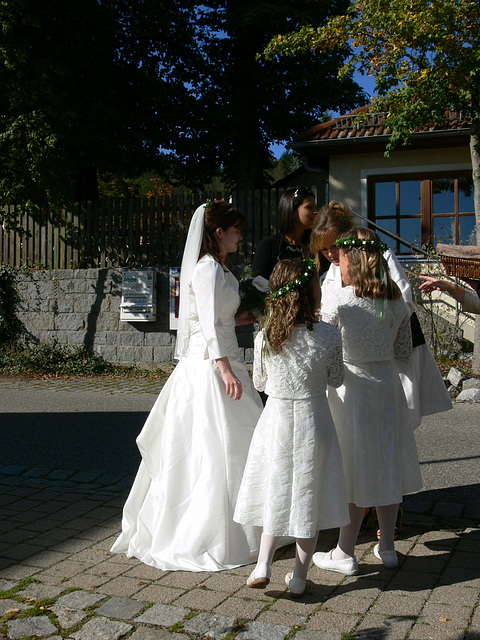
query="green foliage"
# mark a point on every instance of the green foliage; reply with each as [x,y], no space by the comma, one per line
[425,56]
[123,86]
[55,360]
[10,327]
[244,103]
[84,87]
[51,359]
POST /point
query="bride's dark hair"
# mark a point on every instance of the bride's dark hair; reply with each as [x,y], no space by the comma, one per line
[219,215]
[282,314]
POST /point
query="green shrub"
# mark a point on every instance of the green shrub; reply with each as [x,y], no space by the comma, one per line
[54,359]
[10,327]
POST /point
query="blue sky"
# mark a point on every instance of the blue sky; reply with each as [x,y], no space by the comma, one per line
[368,85]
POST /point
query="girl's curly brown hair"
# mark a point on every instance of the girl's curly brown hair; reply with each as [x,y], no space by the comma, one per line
[282,314]
[368,269]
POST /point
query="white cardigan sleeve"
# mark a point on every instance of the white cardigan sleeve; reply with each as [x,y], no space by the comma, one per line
[208,282]
[400,278]
[471,302]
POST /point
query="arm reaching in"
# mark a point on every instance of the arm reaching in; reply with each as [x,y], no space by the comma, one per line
[469,300]
[435,284]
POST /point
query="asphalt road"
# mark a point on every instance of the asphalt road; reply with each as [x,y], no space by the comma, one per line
[79,431]
[96,431]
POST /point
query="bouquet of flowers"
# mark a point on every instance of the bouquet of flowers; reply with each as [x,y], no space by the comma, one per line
[253,292]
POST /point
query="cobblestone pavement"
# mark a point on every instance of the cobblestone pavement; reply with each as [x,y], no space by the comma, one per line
[59,580]
[98,384]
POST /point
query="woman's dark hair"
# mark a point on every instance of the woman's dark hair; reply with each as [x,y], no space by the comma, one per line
[219,215]
[282,314]
[288,204]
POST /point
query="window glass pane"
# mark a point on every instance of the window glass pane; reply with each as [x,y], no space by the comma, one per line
[444,230]
[410,197]
[411,231]
[465,196]
[467,233]
[390,224]
[385,201]
[443,196]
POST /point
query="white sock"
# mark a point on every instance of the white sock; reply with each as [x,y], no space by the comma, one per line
[349,533]
[268,546]
[305,548]
[387,518]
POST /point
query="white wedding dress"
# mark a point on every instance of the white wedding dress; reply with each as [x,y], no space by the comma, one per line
[194,445]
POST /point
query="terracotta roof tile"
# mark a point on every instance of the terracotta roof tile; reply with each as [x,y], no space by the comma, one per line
[343,127]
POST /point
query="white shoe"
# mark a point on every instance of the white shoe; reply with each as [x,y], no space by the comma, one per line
[389,558]
[349,566]
[260,576]
[296,585]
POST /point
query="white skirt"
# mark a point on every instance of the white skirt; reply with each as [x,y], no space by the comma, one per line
[377,441]
[423,385]
[293,482]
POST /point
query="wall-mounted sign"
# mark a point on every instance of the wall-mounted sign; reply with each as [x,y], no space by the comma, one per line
[139,302]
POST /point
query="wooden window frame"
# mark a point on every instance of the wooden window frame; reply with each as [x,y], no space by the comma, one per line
[426,201]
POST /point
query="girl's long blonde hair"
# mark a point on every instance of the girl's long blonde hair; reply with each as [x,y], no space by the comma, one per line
[298,306]
[368,270]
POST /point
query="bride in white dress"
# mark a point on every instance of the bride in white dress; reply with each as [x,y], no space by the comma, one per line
[194,445]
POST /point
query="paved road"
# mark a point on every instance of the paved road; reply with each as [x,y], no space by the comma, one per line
[56,528]
[74,429]
[67,425]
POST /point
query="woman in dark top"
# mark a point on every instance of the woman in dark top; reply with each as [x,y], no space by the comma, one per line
[296,211]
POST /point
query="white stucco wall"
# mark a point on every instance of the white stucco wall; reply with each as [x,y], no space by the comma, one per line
[349,173]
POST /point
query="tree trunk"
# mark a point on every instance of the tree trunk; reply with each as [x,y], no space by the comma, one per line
[475,155]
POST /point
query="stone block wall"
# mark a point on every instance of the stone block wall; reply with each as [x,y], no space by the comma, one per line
[82,307]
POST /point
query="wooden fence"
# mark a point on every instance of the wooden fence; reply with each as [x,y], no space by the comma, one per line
[126,232]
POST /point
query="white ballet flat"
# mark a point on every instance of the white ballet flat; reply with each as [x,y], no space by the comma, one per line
[260,576]
[296,585]
[348,566]
[389,558]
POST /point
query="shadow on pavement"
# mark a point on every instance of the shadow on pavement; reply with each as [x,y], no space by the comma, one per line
[90,441]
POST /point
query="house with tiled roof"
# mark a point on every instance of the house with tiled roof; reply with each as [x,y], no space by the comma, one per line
[422,192]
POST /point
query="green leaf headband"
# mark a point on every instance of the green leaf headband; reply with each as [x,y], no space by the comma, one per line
[310,268]
[210,203]
[357,243]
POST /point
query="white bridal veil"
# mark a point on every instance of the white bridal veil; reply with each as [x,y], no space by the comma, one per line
[189,261]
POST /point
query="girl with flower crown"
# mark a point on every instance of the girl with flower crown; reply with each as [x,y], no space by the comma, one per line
[293,481]
[421,379]
[194,445]
[420,376]
[370,410]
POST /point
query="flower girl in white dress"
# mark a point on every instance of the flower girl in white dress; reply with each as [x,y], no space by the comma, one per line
[179,514]
[370,409]
[293,481]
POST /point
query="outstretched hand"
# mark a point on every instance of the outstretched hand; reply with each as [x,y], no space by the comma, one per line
[435,284]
